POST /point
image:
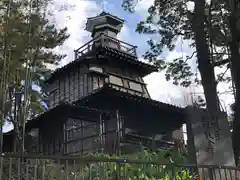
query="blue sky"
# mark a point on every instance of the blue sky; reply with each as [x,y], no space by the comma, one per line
[75,19]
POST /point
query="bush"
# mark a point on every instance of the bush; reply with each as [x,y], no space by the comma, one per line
[105,167]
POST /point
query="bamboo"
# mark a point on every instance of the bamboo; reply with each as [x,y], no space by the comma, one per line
[4,74]
[27,79]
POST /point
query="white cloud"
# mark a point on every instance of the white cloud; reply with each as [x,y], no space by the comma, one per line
[75,20]
[163,90]
[124,33]
[226,97]
[142,7]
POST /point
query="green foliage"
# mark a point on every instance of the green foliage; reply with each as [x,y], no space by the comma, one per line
[149,170]
[169,21]
[30,39]
[160,165]
[145,165]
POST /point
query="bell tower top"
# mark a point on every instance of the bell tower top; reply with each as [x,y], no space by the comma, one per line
[104,23]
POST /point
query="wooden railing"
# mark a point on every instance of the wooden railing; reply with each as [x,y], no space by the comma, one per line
[104,40]
[132,138]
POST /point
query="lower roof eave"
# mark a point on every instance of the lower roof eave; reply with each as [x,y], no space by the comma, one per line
[108,92]
[115,98]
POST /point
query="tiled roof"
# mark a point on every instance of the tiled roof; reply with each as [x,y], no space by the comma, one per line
[126,95]
[127,57]
[107,14]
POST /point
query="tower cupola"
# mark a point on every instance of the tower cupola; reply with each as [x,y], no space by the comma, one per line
[104,23]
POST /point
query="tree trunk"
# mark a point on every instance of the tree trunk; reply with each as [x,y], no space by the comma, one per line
[204,63]
[235,61]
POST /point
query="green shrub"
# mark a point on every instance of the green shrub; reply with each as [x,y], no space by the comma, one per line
[126,167]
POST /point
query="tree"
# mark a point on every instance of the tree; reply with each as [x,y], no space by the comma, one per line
[172,19]
[234,19]
[206,26]
[28,44]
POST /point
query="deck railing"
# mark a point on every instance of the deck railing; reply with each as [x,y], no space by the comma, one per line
[33,167]
[105,40]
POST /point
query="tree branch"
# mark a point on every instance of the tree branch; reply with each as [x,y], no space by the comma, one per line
[190,57]
[220,63]
[223,74]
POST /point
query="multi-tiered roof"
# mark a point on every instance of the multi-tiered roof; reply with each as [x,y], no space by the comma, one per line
[105,75]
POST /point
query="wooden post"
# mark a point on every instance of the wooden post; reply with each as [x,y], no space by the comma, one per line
[101,132]
[153,143]
[118,133]
[65,148]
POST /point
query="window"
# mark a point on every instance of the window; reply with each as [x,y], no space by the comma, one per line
[115,80]
[135,86]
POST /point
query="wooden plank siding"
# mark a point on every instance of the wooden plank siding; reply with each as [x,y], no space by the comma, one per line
[83,134]
[73,85]
[70,86]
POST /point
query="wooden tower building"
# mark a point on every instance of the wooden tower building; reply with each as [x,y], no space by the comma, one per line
[99,101]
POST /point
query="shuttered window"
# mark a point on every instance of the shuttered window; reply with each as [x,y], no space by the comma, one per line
[115,80]
[135,86]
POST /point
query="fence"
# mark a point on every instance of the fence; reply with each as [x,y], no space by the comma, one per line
[32,167]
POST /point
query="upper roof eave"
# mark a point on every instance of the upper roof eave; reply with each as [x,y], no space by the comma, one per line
[104,14]
[58,71]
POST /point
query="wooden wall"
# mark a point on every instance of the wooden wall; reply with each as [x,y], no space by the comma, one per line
[72,86]
[85,135]
[79,82]
[51,137]
[81,135]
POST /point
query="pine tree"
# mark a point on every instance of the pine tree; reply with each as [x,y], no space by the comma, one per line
[29,42]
